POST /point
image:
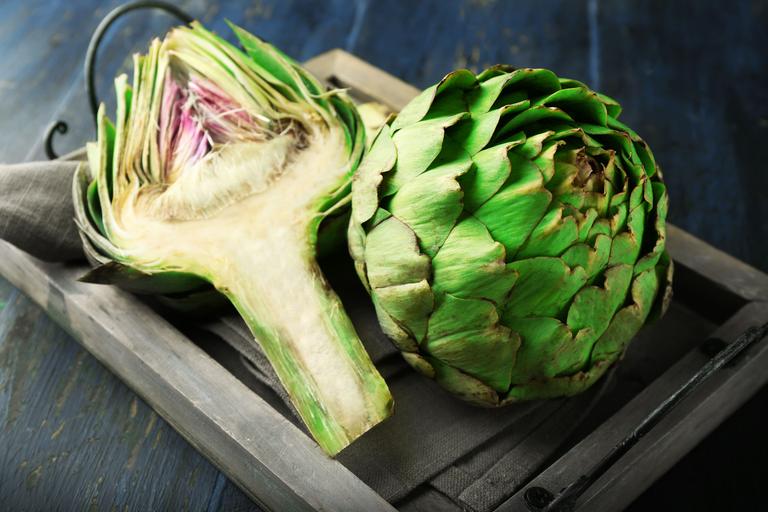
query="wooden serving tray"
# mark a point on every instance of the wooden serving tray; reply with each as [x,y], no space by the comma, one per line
[203,391]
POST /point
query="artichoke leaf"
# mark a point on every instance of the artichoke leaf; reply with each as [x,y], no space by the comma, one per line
[544,287]
[417,152]
[629,319]
[471,264]
[513,212]
[388,267]
[430,204]
[380,159]
[490,170]
[486,350]
[409,305]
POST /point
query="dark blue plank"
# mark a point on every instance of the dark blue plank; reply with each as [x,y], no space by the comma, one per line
[691,77]
[42,43]
[422,41]
[73,436]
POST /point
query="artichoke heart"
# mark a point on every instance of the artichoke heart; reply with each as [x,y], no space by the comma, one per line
[218,170]
[511,232]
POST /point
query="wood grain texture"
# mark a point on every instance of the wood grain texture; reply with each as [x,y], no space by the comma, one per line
[420,42]
[691,79]
[75,435]
[368,83]
[690,423]
[732,274]
[227,422]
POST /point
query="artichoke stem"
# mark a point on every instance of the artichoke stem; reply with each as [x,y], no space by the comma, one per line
[276,285]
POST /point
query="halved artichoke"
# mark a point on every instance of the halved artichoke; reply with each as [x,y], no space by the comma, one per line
[510,230]
[219,169]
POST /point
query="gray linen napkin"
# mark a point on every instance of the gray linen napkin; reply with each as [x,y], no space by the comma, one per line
[36,211]
[476,457]
[434,445]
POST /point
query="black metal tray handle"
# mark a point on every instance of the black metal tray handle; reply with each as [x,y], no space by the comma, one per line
[90,59]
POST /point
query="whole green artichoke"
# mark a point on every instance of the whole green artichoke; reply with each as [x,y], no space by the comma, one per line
[511,233]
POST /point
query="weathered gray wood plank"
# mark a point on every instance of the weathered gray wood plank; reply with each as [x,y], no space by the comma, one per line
[235,428]
[673,437]
[687,426]
[368,82]
[719,267]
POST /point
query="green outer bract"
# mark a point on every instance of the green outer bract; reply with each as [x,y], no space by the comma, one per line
[511,233]
[242,215]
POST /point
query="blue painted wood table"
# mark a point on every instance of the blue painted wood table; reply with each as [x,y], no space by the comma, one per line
[691,80]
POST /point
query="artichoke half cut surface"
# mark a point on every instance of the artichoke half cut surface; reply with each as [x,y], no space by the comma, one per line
[511,232]
[219,168]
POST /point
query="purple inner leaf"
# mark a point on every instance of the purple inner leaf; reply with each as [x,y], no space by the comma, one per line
[196,117]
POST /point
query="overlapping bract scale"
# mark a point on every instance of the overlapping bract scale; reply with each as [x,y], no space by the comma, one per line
[511,233]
